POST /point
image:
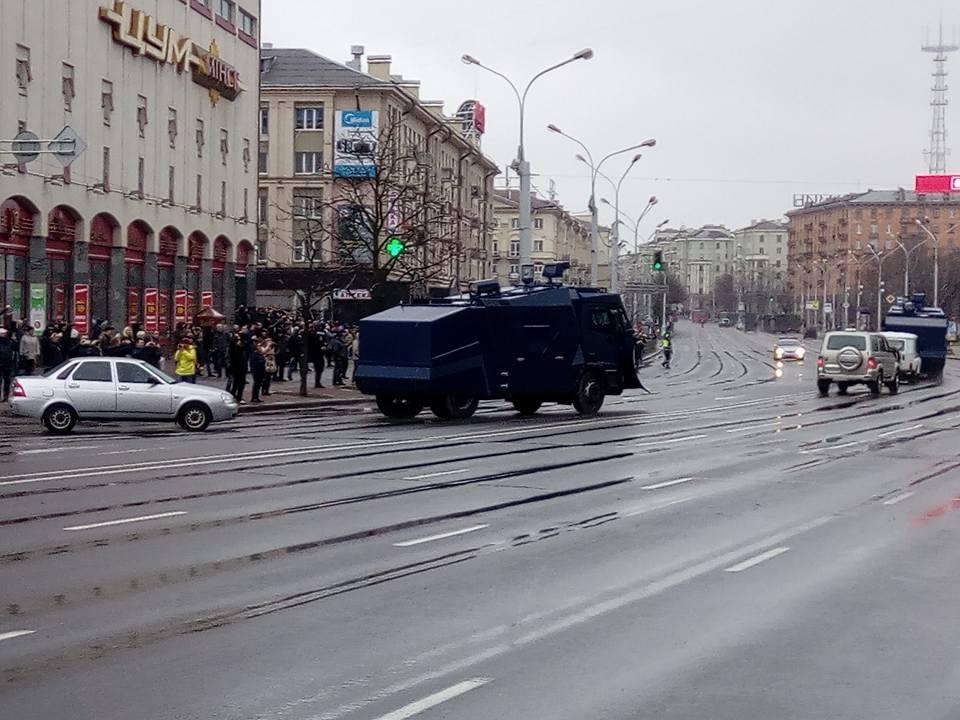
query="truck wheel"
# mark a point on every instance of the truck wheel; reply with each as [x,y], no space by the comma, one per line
[823,387]
[894,385]
[458,407]
[590,393]
[527,405]
[399,407]
[438,406]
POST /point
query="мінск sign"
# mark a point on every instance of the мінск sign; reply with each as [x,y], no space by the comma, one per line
[145,36]
[355,143]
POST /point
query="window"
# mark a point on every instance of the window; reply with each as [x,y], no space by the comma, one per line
[538,245]
[93,371]
[952,212]
[261,250]
[264,121]
[514,223]
[514,269]
[307,206]
[495,248]
[701,247]
[779,251]
[172,130]
[131,373]
[873,228]
[779,238]
[262,162]
[761,251]
[302,248]
[106,100]
[67,87]
[24,74]
[246,155]
[601,319]
[142,116]
[889,229]
[263,199]
[171,183]
[308,163]
[514,248]
[873,213]
[248,24]
[310,118]
[200,137]
[936,212]
[246,205]
[141,174]
[538,223]
[223,197]
[106,169]
[777,263]
[859,229]
[226,10]
[538,269]
[762,238]
[199,199]
[858,213]
[224,145]
[718,246]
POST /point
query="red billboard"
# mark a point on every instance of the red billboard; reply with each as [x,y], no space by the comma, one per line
[163,304]
[81,309]
[206,299]
[179,305]
[938,184]
[151,311]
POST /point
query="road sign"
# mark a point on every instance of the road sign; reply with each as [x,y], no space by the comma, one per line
[346,294]
[827,307]
[846,306]
[891,299]
[26,147]
[644,287]
[67,146]
[813,304]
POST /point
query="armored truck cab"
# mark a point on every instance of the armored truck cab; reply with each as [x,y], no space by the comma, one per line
[528,345]
[929,324]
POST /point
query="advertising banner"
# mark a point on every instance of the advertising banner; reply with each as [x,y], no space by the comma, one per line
[180,299]
[937,183]
[191,305]
[38,305]
[133,306]
[59,302]
[206,299]
[151,310]
[355,143]
[163,311]
[81,309]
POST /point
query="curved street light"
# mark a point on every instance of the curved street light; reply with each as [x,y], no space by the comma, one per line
[594,172]
[521,165]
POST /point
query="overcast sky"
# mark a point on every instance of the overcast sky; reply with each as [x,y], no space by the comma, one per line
[751,101]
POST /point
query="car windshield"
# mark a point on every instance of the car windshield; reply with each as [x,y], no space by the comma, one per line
[51,371]
[161,374]
[838,342]
[788,342]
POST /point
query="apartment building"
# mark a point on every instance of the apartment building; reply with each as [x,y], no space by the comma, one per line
[762,263]
[158,216]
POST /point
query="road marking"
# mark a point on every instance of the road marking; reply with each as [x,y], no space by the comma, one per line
[59,449]
[644,509]
[757,559]
[415,708]
[438,474]
[899,498]
[901,430]
[125,452]
[830,447]
[729,397]
[668,483]
[124,521]
[15,633]
[441,536]
[671,441]
[748,428]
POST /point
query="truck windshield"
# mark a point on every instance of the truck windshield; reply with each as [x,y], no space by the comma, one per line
[836,342]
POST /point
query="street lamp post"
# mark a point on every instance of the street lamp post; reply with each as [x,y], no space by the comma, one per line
[936,257]
[906,263]
[594,172]
[615,244]
[880,257]
[521,163]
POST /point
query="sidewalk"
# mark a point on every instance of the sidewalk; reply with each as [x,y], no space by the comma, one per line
[286,394]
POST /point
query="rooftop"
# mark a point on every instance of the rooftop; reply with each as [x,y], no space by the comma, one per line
[294,67]
[880,197]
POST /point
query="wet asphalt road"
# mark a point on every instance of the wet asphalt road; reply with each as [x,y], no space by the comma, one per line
[732,546]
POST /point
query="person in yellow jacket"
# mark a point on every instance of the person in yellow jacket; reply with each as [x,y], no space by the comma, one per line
[185,360]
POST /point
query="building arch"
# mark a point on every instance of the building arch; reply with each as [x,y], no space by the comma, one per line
[18,220]
[64,232]
[104,235]
[245,258]
[222,254]
[170,245]
[139,239]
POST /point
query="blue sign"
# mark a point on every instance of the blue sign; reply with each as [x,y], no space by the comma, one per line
[355,143]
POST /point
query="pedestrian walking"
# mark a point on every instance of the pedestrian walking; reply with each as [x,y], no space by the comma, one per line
[316,351]
[8,356]
[185,361]
[29,351]
[258,371]
[237,358]
[340,349]
[221,345]
[667,347]
[295,348]
[268,348]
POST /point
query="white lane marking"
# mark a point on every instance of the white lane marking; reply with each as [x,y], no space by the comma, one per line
[438,474]
[644,509]
[748,428]
[124,521]
[671,441]
[61,449]
[667,483]
[757,559]
[138,450]
[729,397]
[415,708]
[441,536]
[830,447]
[15,633]
[899,498]
[901,430]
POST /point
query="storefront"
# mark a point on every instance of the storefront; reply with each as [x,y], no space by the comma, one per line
[170,240]
[63,224]
[16,227]
[102,230]
[134,257]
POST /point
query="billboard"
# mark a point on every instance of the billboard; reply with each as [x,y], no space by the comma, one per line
[81,309]
[180,300]
[937,183]
[38,305]
[150,319]
[355,143]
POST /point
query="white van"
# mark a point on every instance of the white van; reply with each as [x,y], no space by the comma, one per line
[906,345]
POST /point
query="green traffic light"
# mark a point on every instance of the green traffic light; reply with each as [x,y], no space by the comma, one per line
[394,247]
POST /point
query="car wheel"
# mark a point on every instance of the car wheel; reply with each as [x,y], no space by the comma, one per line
[194,417]
[59,419]
[590,393]
[459,407]
[894,385]
[842,388]
[874,386]
[527,405]
[823,387]
[399,407]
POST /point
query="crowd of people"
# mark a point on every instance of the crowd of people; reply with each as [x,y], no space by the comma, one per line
[266,345]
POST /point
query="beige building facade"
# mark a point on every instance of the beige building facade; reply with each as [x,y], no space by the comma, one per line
[158,216]
[304,97]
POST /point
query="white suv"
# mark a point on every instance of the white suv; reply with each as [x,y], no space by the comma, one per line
[849,357]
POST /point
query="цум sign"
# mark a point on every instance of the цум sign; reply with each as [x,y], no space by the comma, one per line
[145,36]
[355,143]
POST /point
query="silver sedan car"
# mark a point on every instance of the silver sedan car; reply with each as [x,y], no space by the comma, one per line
[108,388]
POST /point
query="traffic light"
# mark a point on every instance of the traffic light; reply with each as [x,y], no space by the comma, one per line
[394,247]
[658,260]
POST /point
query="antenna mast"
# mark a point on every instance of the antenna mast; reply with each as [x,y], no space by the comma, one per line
[938,151]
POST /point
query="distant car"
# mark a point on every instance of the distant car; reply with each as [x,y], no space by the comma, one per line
[788,348]
[906,346]
[725,322]
[853,358]
[107,388]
